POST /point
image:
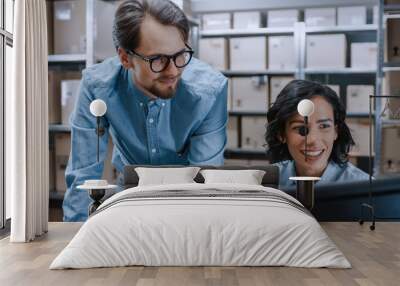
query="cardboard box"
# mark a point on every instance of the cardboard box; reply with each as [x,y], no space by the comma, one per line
[352,15]
[320,16]
[69,95]
[359,129]
[103,45]
[335,88]
[214,51]
[246,20]
[282,18]
[281,53]
[390,150]
[216,21]
[326,51]
[364,55]
[232,132]
[69,27]
[248,53]
[253,133]
[393,40]
[357,98]
[249,93]
[54,88]
[277,84]
[62,142]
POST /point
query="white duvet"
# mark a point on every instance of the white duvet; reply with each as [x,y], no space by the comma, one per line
[188,231]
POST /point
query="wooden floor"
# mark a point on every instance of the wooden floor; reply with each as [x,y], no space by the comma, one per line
[374,255]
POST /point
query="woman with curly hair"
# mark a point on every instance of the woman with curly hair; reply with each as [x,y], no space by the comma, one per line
[328,141]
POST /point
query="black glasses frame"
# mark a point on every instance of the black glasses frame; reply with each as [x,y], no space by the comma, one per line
[173,57]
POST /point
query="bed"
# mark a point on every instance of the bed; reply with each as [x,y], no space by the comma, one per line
[201,224]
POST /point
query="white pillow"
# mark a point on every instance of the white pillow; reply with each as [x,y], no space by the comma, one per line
[248,177]
[165,176]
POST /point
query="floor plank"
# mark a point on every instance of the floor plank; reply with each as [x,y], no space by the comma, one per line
[374,255]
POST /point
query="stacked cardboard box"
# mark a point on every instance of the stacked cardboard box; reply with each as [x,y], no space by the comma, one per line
[357,98]
[69,27]
[359,129]
[248,53]
[216,21]
[247,20]
[352,15]
[320,16]
[69,95]
[253,133]
[326,51]
[232,132]
[55,78]
[282,18]
[214,51]
[249,93]
[277,84]
[364,55]
[281,53]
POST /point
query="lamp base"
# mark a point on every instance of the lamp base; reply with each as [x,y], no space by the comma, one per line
[305,190]
[96,195]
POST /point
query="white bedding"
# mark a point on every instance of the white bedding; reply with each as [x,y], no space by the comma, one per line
[183,231]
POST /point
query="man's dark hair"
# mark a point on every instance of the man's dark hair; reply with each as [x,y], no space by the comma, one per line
[285,107]
[131,13]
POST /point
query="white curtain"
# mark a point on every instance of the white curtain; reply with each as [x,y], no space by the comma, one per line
[27,124]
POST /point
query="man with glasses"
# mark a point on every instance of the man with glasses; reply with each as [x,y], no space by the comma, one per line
[163,105]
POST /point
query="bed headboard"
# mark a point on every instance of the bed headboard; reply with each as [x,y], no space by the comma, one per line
[270,179]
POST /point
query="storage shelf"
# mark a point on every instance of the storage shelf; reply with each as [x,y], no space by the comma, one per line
[338,29]
[73,58]
[246,32]
[391,66]
[390,8]
[340,71]
[56,196]
[59,128]
[232,73]
[391,122]
[241,152]
[285,31]
[358,115]
[248,113]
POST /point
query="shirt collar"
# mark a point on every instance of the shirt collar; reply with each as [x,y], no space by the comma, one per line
[139,94]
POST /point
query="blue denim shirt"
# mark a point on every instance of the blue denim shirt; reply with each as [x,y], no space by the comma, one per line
[189,128]
[333,173]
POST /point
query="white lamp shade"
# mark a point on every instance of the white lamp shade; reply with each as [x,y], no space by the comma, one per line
[98,107]
[305,107]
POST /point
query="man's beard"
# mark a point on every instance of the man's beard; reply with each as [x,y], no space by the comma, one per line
[165,93]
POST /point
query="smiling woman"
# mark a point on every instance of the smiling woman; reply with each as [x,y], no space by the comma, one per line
[328,142]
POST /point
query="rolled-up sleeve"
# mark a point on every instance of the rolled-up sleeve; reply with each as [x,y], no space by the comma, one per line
[82,164]
[207,144]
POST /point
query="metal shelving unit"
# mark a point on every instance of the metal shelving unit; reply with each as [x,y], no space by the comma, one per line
[229,73]
[300,32]
[386,12]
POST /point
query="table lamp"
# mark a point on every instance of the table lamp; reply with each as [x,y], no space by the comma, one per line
[305,108]
[97,188]
[305,185]
[98,108]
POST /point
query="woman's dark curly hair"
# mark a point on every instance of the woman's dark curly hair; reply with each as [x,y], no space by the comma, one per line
[285,107]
